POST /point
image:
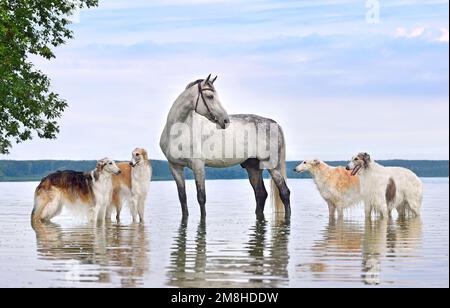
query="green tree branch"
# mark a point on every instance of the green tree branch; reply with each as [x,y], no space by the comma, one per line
[27,105]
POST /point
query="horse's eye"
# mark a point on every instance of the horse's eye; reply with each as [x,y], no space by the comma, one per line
[210,96]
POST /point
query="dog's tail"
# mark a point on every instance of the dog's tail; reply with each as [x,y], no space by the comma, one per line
[36,214]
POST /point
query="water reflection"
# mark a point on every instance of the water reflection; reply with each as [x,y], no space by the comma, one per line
[261,261]
[116,254]
[377,243]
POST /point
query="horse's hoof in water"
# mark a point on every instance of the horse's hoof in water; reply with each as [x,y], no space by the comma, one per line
[288,216]
[260,215]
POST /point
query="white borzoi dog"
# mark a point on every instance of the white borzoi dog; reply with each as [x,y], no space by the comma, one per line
[385,189]
[132,186]
[337,186]
[92,190]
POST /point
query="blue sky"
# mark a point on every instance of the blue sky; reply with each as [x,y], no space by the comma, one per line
[336,83]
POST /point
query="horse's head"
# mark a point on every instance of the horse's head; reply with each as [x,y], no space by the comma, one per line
[207,102]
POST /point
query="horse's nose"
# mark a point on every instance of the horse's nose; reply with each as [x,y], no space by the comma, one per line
[225,123]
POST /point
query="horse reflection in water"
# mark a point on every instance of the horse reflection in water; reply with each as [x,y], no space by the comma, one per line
[378,243]
[264,261]
[116,254]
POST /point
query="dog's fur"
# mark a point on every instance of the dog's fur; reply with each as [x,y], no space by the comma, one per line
[385,189]
[132,186]
[71,188]
[336,185]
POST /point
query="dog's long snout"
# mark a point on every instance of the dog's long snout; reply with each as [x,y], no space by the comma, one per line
[348,168]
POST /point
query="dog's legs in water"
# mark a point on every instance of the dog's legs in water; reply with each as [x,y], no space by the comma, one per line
[109,213]
[368,209]
[414,207]
[102,215]
[133,209]
[178,175]
[331,210]
[384,211]
[255,175]
[117,204]
[340,213]
[141,209]
[401,210]
[118,211]
[93,215]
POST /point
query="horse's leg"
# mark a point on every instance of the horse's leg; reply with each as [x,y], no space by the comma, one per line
[178,175]
[285,193]
[198,167]
[255,175]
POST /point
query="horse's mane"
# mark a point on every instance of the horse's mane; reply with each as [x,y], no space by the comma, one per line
[194,83]
[210,84]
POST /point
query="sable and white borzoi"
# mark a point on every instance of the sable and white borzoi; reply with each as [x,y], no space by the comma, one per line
[132,186]
[70,188]
[337,186]
[385,189]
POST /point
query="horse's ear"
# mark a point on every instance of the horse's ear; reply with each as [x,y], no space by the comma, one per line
[208,79]
[214,80]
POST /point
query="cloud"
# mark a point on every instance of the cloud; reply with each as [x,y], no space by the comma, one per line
[413,33]
[425,33]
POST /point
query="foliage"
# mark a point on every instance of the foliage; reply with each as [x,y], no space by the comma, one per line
[27,104]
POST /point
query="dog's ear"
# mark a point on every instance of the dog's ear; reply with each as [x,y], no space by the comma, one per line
[145,154]
[316,162]
[101,164]
[367,159]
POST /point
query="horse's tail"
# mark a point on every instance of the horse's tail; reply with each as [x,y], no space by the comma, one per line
[277,203]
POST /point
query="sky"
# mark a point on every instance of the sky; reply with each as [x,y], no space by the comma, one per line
[338,82]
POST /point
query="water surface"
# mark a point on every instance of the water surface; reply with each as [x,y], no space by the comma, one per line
[231,248]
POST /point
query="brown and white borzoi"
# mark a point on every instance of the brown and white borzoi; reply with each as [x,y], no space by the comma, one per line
[70,188]
[337,186]
[132,186]
[385,189]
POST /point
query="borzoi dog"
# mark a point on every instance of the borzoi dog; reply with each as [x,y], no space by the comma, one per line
[385,189]
[70,188]
[336,185]
[132,186]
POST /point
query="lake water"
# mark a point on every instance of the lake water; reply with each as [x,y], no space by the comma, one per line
[229,249]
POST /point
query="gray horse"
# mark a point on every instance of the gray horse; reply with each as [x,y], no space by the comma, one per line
[199,133]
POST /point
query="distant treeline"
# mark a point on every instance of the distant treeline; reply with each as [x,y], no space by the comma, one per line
[17,171]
